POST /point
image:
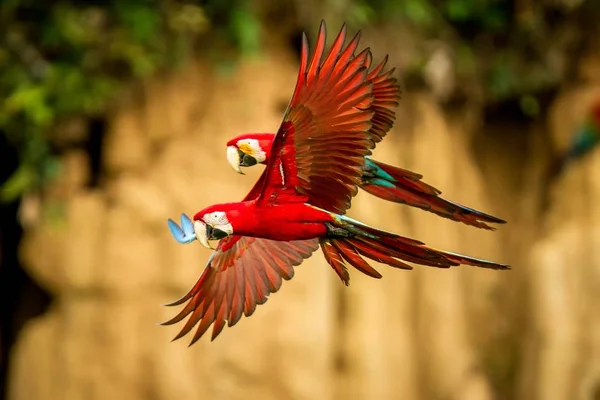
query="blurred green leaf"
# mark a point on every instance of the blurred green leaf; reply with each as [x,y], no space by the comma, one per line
[189,18]
[30,100]
[361,14]
[65,58]
[529,105]
[246,30]
[501,77]
[459,10]
[419,12]
[21,180]
[139,18]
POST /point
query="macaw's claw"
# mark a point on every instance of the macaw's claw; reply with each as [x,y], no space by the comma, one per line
[184,234]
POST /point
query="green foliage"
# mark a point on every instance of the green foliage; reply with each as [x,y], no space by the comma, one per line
[510,52]
[245,28]
[67,58]
[487,15]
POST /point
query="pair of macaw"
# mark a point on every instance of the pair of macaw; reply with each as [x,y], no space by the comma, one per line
[341,108]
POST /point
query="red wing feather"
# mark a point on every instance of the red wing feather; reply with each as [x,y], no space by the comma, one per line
[240,275]
[332,122]
[353,258]
[338,111]
[334,259]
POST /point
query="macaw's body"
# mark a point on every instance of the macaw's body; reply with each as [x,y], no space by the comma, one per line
[270,240]
[382,180]
[301,221]
[314,167]
[379,179]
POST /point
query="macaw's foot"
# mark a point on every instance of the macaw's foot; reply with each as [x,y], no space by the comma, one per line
[337,232]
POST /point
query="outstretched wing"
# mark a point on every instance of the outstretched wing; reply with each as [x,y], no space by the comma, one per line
[386,95]
[319,151]
[239,275]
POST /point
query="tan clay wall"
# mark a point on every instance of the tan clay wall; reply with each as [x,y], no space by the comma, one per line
[425,334]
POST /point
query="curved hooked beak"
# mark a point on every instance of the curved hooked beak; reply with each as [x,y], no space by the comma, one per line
[201,230]
[233,157]
[205,232]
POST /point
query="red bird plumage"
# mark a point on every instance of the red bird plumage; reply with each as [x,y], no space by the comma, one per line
[382,180]
[313,170]
[379,179]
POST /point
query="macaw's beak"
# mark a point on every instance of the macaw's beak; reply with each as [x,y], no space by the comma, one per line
[247,160]
[206,232]
[234,158]
[215,233]
[201,230]
[237,158]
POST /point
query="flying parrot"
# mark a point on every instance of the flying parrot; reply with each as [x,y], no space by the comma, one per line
[382,180]
[314,167]
[582,142]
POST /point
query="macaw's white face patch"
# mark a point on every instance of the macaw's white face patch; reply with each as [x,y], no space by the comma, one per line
[216,218]
[212,226]
[252,148]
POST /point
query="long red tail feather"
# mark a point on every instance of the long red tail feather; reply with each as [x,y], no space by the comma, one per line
[407,188]
[387,248]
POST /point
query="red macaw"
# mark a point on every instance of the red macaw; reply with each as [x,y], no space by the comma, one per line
[382,180]
[314,167]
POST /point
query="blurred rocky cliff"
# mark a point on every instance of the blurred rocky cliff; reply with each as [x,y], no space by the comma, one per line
[109,261]
[97,241]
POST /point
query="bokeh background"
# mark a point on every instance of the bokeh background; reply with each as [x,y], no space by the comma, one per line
[114,117]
